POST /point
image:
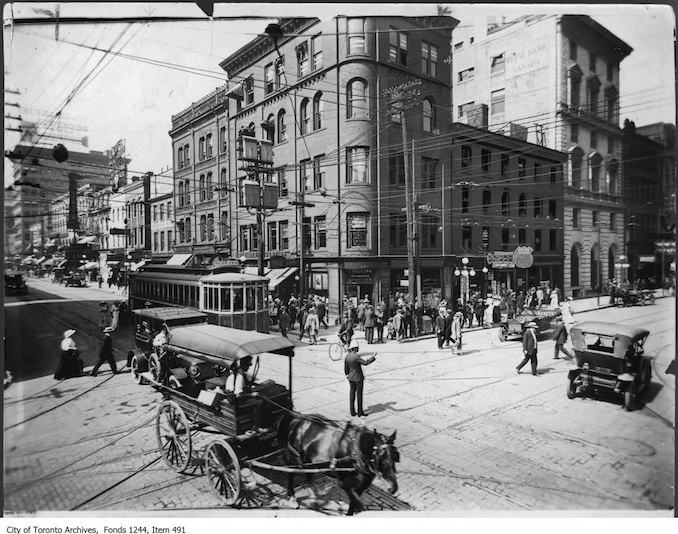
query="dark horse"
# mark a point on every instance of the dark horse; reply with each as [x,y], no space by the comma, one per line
[359,454]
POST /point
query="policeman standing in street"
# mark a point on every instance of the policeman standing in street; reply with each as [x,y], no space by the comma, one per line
[529,347]
[354,373]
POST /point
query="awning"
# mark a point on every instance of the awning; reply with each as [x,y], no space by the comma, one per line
[90,265]
[278,276]
[62,264]
[27,261]
[236,92]
[88,239]
[135,266]
[48,263]
[51,243]
[179,259]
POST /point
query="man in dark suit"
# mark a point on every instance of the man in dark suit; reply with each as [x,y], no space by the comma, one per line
[440,327]
[106,353]
[559,338]
[353,363]
[529,347]
[369,324]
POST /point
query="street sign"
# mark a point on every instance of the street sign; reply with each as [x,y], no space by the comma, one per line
[118,231]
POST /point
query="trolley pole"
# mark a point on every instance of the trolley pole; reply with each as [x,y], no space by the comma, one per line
[403,97]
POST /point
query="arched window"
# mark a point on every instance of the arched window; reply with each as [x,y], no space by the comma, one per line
[575,157]
[574,265]
[429,115]
[317,111]
[181,193]
[282,129]
[304,118]
[505,199]
[487,200]
[595,162]
[356,94]
[268,128]
[595,267]
[522,204]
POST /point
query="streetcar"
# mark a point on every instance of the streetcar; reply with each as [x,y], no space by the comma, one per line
[228,297]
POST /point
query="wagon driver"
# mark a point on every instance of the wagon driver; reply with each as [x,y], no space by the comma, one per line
[160,346]
[237,380]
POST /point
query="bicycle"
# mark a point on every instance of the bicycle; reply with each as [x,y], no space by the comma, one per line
[337,351]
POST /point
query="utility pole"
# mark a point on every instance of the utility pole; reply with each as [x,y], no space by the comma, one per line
[403,97]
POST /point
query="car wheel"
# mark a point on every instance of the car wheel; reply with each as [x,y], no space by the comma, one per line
[571,390]
[502,334]
[629,398]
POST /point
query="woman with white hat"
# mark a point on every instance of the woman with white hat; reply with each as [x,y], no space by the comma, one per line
[70,364]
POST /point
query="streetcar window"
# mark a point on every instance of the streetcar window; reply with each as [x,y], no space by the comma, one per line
[225,299]
[260,297]
[213,298]
[205,298]
[237,299]
[250,301]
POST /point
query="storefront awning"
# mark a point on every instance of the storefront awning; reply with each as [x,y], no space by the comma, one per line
[48,263]
[51,243]
[87,240]
[135,266]
[90,265]
[278,276]
[236,92]
[179,259]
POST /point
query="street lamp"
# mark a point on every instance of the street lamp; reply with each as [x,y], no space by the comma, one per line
[463,275]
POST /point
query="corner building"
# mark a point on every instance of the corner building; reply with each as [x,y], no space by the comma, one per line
[554,79]
[319,96]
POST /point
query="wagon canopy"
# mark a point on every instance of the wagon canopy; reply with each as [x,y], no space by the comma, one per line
[212,341]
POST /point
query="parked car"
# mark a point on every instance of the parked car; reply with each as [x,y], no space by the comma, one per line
[75,279]
[514,328]
[15,283]
[610,357]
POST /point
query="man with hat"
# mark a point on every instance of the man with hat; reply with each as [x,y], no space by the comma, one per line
[455,332]
[106,353]
[529,347]
[238,381]
[70,364]
[440,327]
[353,363]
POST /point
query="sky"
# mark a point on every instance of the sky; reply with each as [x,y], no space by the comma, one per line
[122,98]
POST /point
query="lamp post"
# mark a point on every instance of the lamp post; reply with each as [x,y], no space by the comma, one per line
[464,283]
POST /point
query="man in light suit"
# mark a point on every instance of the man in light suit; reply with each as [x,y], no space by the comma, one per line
[354,373]
[529,347]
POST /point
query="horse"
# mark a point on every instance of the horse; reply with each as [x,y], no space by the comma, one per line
[313,441]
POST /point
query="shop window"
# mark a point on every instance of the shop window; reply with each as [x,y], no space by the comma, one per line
[357,226]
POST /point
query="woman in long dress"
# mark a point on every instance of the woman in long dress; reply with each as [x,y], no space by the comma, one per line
[70,364]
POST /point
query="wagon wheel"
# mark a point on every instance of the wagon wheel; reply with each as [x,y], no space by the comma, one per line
[223,470]
[174,436]
[174,382]
[335,352]
[571,389]
[502,334]
[136,371]
[154,367]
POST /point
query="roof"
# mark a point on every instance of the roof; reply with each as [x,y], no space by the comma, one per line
[611,329]
[226,343]
[232,277]
[169,313]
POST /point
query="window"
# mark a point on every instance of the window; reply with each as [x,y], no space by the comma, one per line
[282,183]
[610,144]
[464,199]
[466,237]
[613,222]
[155,212]
[522,167]
[180,158]
[187,156]
[162,240]
[223,227]
[320,231]
[304,118]
[429,59]
[594,139]
[464,109]
[282,128]
[554,175]
[522,204]
[595,218]
[306,232]
[522,236]
[487,200]
[356,36]
[497,65]
[429,115]
[505,238]
[466,155]
[201,187]
[610,72]
[317,111]
[155,241]
[505,201]
[170,244]
[576,158]
[396,169]
[592,62]
[187,191]
[357,169]
[537,172]
[538,203]
[611,105]
[210,226]
[269,128]
[272,235]
[459,45]
[575,217]
[398,234]
[222,139]
[181,193]
[305,174]
[485,159]
[209,145]
[553,243]
[162,212]
[283,235]
[553,209]
[303,64]
[595,164]
[397,47]
[201,148]
[574,133]
[430,233]
[269,78]
[244,238]
[593,93]
[537,240]
[203,227]
[504,164]
[318,172]
[279,71]
[612,169]
[317,51]
[356,224]
[465,75]
[497,103]
[249,91]
[575,91]
[356,106]
[429,172]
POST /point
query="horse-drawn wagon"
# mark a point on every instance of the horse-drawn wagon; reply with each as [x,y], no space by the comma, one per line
[203,375]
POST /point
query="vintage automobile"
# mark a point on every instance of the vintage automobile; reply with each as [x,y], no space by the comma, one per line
[513,328]
[633,297]
[75,279]
[609,357]
[15,283]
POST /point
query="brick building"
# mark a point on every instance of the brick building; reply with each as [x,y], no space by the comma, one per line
[554,80]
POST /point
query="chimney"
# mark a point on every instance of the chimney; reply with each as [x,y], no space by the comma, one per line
[477,116]
[517,131]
